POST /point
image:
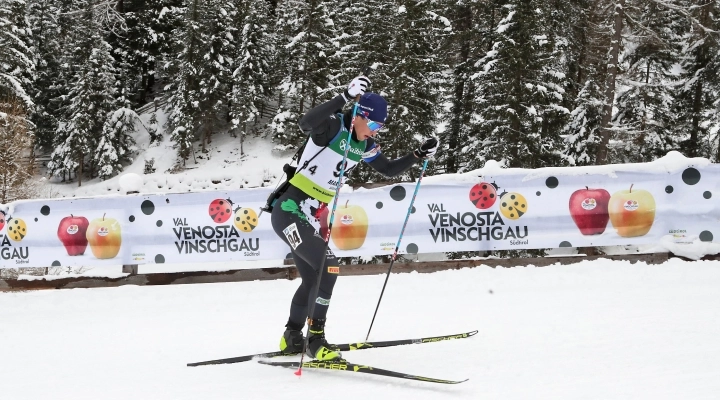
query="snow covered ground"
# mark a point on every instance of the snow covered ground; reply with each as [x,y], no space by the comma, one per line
[594,330]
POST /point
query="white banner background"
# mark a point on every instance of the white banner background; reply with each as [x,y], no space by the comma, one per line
[178,228]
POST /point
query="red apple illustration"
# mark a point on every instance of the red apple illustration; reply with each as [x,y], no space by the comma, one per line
[220,210]
[71,233]
[483,195]
[589,210]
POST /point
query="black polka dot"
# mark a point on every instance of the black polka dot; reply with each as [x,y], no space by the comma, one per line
[131,218]
[538,193]
[551,182]
[707,195]
[379,205]
[159,259]
[706,236]
[565,243]
[413,210]
[397,193]
[45,210]
[55,263]
[412,248]
[691,176]
[669,189]
[158,223]
[147,207]
[36,220]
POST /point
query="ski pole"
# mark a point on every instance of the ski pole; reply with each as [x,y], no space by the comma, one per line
[394,256]
[316,287]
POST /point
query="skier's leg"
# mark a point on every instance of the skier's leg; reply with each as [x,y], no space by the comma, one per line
[309,255]
[308,247]
[293,340]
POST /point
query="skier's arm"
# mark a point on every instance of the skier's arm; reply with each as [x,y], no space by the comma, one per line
[321,122]
[395,167]
[385,166]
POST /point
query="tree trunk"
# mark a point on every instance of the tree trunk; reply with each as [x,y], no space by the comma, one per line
[514,136]
[242,138]
[80,170]
[610,78]
[692,148]
[463,25]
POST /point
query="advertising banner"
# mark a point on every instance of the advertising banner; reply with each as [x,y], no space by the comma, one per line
[489,209]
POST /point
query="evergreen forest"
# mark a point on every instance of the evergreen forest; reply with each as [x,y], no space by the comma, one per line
[527,83]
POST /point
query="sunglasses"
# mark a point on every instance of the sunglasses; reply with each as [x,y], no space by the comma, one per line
[374,126]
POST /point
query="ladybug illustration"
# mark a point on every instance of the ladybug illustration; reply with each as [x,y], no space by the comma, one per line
[513,205]
[17,229]
[220,210]
[2,219]
[245,219]
[483,195]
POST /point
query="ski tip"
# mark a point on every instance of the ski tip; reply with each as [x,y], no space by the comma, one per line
[473,333]
[197,364]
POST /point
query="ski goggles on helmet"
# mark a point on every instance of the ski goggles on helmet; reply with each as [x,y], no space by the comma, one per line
[373,125]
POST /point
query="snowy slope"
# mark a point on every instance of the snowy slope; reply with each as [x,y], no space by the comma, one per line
[221,167]
[594,330]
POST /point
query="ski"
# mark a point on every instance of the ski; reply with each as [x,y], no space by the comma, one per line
[344,365]
[341,347]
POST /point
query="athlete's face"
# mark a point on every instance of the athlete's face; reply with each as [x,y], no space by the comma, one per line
[363,131]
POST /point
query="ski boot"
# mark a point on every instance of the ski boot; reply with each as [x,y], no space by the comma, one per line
[292,340]
[318,347]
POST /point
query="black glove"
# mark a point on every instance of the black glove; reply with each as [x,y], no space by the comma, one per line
[356,88]
[427,149]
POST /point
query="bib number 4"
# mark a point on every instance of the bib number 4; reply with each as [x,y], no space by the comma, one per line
[336,173]
[339,167]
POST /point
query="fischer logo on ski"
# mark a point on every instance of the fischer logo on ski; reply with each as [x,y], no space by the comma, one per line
[344,365]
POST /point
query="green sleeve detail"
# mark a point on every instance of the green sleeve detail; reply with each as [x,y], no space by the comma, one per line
[292,207]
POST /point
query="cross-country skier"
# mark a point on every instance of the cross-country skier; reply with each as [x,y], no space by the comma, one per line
[300,219]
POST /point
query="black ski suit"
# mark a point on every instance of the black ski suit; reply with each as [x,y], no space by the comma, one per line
[295,216]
